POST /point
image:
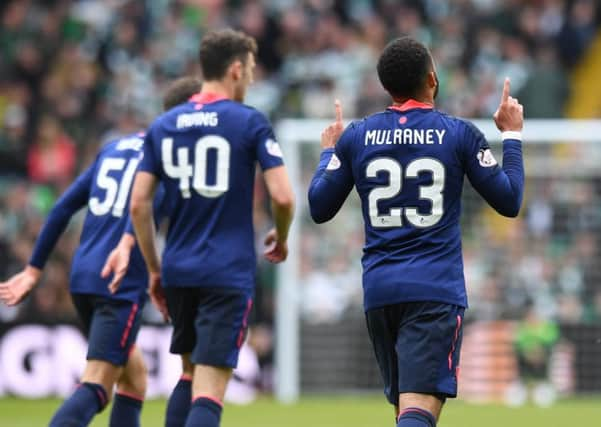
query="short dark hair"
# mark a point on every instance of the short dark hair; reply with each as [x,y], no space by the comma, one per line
[180,91]
[218,49]
[403,67]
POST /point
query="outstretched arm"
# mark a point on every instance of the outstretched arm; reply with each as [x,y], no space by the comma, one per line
[14,290]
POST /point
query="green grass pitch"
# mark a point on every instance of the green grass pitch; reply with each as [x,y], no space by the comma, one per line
[356,411]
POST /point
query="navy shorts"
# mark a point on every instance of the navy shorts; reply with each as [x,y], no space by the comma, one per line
[209,323]
[417,347]
[110,325]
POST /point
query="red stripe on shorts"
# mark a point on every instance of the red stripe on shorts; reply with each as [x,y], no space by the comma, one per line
[130,323]
[457,328]
[249,305]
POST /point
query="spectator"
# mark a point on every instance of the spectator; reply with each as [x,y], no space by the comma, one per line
[51,159]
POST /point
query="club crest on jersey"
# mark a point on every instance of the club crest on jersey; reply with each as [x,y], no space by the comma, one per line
[273,148]
[486,158]
[334,163]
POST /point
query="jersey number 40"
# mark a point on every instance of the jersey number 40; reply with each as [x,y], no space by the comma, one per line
[197,173]
[433,192]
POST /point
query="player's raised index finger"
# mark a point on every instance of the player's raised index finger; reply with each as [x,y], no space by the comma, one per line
[338,108]
[506,88]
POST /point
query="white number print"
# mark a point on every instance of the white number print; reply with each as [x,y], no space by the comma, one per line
[393,219]
[432,192]
[184,170]
[116,191]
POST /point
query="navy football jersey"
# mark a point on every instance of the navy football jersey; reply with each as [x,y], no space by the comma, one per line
[204,153]
[408,165]
[104,187]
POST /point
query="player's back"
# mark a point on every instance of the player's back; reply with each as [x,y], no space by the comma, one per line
[204,153]
[408,166]
[108,185]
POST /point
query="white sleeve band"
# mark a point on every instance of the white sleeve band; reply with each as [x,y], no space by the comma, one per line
[511,134]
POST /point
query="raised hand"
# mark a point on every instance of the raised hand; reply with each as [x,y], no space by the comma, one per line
[15,289]
[510,114]
[332,133]
[277,251]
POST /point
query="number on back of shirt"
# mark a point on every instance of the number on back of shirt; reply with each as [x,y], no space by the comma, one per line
[432,193]
[196,174]
[116,192]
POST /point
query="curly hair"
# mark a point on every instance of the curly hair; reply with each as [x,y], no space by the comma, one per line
[403,67]
[219,49]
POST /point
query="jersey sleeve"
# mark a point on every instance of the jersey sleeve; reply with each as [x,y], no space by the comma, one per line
[333,179]
[149,163]
[73,199]
[502,187]
[267,149]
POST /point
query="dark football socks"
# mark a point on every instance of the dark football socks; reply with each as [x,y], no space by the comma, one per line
[204,412]
[79,409]
[416,417]
[179,403]
[126,411]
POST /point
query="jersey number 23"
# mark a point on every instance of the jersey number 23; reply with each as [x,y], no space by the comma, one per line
[432,193]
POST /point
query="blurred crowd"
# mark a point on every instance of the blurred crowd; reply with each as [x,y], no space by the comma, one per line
[76,73]
[543,265]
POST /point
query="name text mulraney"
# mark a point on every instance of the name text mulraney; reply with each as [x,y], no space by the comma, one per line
[404,136]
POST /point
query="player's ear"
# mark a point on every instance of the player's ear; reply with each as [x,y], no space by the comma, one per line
[236,70]
[432,80]
[433,83]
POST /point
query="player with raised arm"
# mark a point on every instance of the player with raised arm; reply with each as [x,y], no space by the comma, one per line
[111,317]
[408,165]
[204,153]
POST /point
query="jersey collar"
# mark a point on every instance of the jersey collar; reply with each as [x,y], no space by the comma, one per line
[206,98]
[410,105]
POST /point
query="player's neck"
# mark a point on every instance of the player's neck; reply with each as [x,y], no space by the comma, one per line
[218,88]
[422,99]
